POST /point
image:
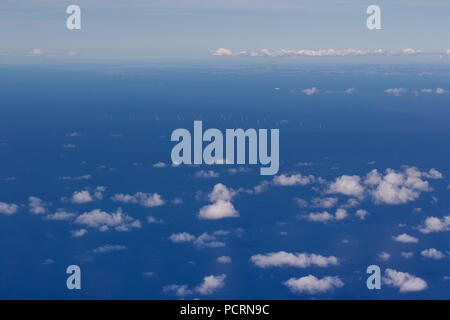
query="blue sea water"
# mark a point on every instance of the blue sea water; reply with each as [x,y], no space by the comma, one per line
[124,116]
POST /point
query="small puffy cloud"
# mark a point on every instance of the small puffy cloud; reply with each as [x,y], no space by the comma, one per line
[60,215]
[433,224]
[361,213]
[152,219]
[8,208]
[148,200]
[350,90]
[37,206]
[302,203]
[404,281]
[327,202]
[221,207]
[221,192]
[347,185]
[292,180]
[407,255]
[211,284]
[310,91]
[182,237]
[432,253]
[341,214]
[160,165]
[326,216]
[411,51]
[179,290]
[103,220]
[148,274]
[298,260]
[396,91]
[222,52]
[320,216]
[224,259]
[440,91]
[312,285]
[205,240]
[218,210]
[78,233]
[80,197]
[35,52]
[384,256]
[405,238]
[109,248]
[209,240]
[206,174]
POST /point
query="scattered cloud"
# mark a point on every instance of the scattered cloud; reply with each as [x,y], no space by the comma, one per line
[78,233]
[148,200]
[298,260]
[152,219]
[182,237]
[325,216]
[205,240]
[396,91]
[405,238]
[224,259]
[312,285]
[60,215]
[211,284]
[404,281]
[310,91]
[384,256]
[103,221]
[35,52]
[433,224]
[81,197]
[221,207]
[361,213]
[206,174]
[179,290]
[407,255]
[432,253]
[8,208]
[160,165]
[37,206]
[293,180]
[394,187]
[314,53]
[218,210]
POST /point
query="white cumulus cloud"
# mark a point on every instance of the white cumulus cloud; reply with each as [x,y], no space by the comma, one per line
[298,260]
[312,285]
[404,281]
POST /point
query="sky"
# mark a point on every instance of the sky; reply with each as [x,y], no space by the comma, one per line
[87,177]
[181,30]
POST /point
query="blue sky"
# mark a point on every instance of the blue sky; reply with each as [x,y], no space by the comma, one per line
[85,170]
[180,30]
